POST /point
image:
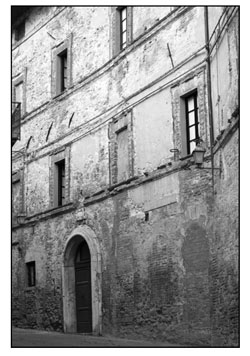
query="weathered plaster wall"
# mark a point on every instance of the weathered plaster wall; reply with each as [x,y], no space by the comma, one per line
[153,132]
[37,186]
[89,165]
[225,85]
[91,38]
[16,197]
[146,17]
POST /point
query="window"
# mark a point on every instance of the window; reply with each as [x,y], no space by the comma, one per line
[61,67]
[59,173]
[189,113]
[31,273]
[18,93]
[62,71]
[192,122]
[60,183]
[123,27]
[20,31]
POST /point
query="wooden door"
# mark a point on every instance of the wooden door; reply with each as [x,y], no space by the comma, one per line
[83,289]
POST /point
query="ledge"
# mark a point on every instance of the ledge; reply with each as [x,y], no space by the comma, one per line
[30,289]
[30,220]
[135,182]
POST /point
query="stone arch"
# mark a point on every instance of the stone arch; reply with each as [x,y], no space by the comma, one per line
[68,279]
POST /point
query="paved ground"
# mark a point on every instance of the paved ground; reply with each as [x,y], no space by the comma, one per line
[37,338]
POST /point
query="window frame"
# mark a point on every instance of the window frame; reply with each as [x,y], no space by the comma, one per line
[116,43]
[55,158]
[20,79]
[58,86]
[59,183]
[181,89]
[62,85]
[119,125]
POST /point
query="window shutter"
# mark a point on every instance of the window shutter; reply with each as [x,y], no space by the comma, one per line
[129,25]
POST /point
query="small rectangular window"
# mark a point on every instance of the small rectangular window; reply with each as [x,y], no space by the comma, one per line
[192,122]
[31,273]
[59,183]
[20,31]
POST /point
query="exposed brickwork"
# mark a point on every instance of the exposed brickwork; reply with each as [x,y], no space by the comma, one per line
[224,254]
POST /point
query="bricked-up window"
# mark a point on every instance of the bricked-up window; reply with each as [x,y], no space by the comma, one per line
[192,121]
[60,183]
[122,155]
[31,273]
[121,149]
[20,31]
[121,29]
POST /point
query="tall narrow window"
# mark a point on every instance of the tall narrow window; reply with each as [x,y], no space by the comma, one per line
[59,192]
[59,174]
[31,273]
[62,71]
[61,66]
[19,91]
[123,27]
[192,122]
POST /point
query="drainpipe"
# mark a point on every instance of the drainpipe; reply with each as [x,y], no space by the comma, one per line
[209,92]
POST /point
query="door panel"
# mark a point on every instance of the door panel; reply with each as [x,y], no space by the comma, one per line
[83,289]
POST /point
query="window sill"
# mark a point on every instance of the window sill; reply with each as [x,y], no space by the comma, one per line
[59,95]
[30,289]
[50,212]
[186,157]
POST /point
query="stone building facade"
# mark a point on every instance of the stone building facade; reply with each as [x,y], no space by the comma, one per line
[115,229]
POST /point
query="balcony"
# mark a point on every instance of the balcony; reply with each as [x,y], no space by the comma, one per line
[15,122]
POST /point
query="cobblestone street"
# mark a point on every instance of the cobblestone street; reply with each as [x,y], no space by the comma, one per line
[37,338]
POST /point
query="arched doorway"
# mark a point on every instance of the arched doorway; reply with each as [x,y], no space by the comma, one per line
[81,276]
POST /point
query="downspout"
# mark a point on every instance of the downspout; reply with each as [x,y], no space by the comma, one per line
[209,92]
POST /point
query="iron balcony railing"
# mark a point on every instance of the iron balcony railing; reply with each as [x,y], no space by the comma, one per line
[15,122]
